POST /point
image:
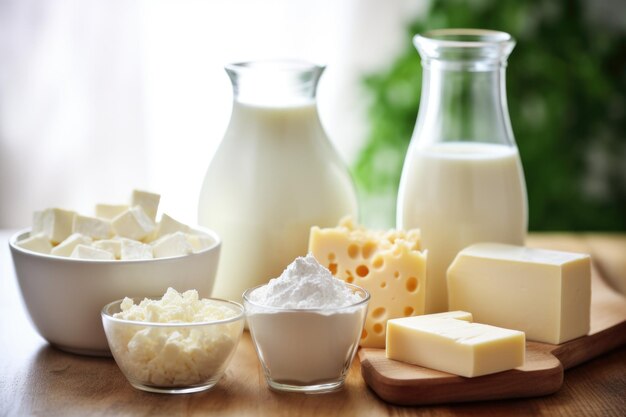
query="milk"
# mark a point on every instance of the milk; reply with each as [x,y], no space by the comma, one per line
[459,193]
[274,176]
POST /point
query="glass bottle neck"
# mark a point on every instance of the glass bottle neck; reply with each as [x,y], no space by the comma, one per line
[463,87]
[274,83]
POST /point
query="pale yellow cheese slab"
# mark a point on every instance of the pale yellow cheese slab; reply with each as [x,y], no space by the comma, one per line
[389,265]
[450,342]
[544,293]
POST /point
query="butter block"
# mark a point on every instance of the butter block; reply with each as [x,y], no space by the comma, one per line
[133,250]
[149,202]
[93,227]
[110,211]
[88,252]
[174,244]
[66,247]
[388,264]
[134,223]
[36,243]
[55,223]
[168,225]
[110,245]
[199,242]
[544,293]
[450,342]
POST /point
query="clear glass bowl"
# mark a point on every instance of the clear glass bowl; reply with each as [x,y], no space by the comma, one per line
[306,350]
[173,358]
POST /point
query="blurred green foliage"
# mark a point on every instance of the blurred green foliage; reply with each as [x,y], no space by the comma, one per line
[566,88]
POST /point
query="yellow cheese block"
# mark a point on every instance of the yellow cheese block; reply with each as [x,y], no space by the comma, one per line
[389,265]
[450,342]
[544,293]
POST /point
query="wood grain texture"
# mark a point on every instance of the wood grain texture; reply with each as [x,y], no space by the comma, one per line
[36,379]
[402,383]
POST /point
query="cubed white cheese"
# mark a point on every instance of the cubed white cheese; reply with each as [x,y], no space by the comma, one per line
[134,223]
[37,243]
[110,245]
[174,244]
[131,249]
[66,247]
[169,225]
[54,223]
[199,242]
[92,226]
[87,252]
[149,202]
[110,211]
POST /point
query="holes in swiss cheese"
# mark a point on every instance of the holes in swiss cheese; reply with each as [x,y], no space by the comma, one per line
[362,271]
[411,284]
[353,251]
[379,312]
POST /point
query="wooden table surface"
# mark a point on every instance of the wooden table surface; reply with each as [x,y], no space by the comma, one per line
[36,379]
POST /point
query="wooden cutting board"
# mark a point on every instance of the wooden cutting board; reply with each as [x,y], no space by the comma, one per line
[543,372]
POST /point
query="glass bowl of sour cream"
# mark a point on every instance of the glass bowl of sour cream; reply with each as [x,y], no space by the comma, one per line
[177,344]
[303,348]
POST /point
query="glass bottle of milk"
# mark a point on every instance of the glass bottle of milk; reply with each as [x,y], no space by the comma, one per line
[462,180]
[274,175]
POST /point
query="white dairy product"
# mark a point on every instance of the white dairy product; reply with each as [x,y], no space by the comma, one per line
[88,252]
[174,244]
[134,223]
[199,242]
[168,225]
[458,194]
[93,227]
[131,250]
[109,211]
[175,355]
[131,225]
[274,176]
[149,202]
[305,284]
[110,245]
[54,223]
[310,330]
[66,247]
[37,243]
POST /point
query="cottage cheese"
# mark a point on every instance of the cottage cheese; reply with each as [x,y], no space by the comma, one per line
[170,356]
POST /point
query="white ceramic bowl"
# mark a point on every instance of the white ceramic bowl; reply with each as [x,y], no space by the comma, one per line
[64,296]
[174,358]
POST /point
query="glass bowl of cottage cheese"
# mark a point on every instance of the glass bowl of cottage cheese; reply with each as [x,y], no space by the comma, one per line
[177,344]
[306,326]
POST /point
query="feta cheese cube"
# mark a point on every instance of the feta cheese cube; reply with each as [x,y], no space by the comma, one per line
[199,242]
[134,223]
[174,244]
[66,247]
[37,243]
[149,202]
[110,245]
[87,252]
[54,223]
[109,211]
[132,249]
[92,226]
[168,225]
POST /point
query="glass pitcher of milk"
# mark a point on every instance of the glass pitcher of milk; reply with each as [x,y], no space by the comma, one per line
[462,180]
[274,175]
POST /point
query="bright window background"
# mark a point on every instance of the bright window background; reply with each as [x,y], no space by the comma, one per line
[100,97]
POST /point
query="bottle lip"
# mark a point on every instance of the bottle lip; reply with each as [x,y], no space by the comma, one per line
[275,65]
[274,82]
[464,45]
